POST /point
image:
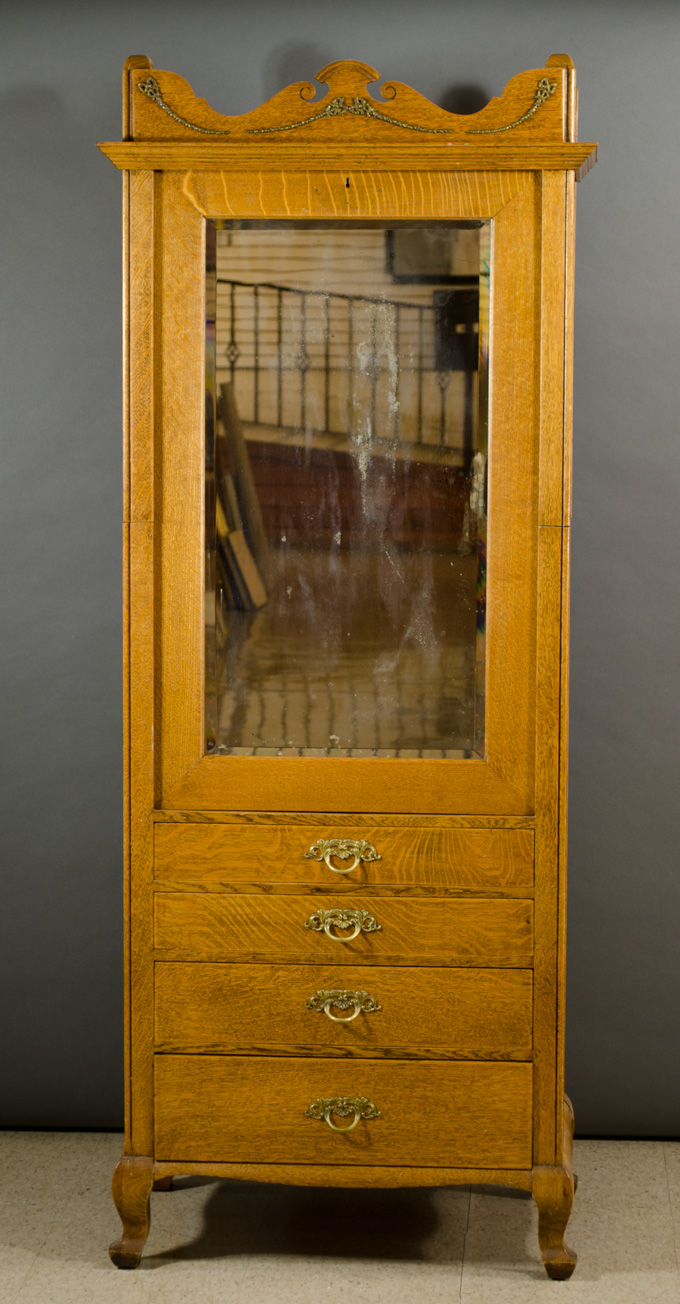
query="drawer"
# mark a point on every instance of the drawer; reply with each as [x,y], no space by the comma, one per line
[394,930]
[241,1109]
[312,1009]
[229,855]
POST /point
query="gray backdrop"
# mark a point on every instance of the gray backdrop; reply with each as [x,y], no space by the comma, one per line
[60,358]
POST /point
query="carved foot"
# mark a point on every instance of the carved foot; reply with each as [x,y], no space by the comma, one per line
[131,1186]
[553,1191]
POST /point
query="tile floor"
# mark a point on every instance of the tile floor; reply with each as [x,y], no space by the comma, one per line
[239,1243]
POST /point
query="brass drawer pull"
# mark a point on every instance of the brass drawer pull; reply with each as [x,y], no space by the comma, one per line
[341,849]
[323,1002]
[343,1106]
[358,920]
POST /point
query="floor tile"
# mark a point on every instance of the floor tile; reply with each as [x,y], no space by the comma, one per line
[621,1228]
[215,1241]
[671,1152]
[39,1172]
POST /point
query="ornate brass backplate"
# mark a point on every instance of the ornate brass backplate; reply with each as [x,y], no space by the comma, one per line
[343,1107]
[331,849]
[342,999]
[360,921]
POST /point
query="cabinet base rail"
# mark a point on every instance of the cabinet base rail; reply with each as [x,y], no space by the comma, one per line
[552,1188]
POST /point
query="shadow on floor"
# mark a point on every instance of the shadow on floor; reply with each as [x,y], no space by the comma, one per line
[395,1225]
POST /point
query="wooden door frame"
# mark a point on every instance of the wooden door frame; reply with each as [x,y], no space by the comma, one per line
[167,218]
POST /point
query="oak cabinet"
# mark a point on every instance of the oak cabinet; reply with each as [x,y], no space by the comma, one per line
[347,496]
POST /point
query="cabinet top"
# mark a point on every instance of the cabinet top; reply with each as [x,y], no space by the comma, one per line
[531,125]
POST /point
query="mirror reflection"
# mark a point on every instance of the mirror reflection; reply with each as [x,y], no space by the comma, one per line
[346,467]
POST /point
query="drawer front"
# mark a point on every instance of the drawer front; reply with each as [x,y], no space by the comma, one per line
[453,930]
[241,1109]
[487,860]
[262,1008]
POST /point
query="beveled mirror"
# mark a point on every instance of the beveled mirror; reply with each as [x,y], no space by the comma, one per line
[346,455]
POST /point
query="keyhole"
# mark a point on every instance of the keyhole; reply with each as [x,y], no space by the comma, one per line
[347,184]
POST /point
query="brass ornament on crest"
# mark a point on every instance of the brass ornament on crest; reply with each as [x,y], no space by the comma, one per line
[151,88]
[544,90]
[342,105]
[359,107]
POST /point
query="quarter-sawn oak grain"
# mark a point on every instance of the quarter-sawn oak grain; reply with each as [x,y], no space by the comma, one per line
[225,1107]
[426,930]
[262,1008]
[481,859]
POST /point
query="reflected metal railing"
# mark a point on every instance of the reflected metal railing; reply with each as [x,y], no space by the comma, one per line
[350,364]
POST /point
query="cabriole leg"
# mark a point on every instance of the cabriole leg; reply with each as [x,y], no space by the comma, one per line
[553,1191]
[131,1186]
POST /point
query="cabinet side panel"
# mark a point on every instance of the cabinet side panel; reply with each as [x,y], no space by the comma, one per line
[570,233]
[562,859]
[554,331]
[141,344]
[140,923]
[126,832]
[564,714]
[126,369]
[138,410]
[547,775]
[126,641]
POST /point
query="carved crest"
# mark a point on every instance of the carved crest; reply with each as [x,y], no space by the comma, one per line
[163,106]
